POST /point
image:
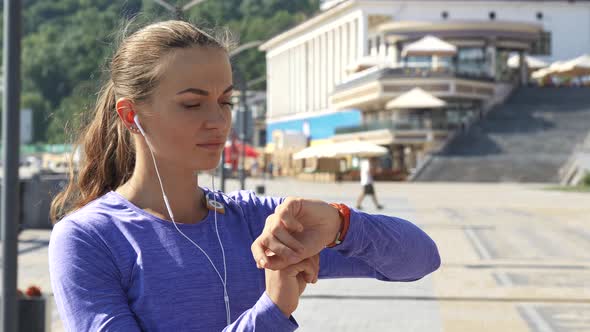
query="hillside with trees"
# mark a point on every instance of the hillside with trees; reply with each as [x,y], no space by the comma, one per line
[66,45]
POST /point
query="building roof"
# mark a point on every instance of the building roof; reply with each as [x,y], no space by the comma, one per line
[347,4]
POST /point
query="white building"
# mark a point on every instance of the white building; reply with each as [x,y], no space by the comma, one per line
[312,77]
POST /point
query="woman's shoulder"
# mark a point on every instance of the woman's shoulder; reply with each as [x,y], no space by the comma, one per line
[94,217]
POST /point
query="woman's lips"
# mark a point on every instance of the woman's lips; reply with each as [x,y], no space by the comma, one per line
[211,146]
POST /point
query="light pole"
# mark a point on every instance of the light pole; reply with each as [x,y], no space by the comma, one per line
[178,10]
[10,157]
[243,85]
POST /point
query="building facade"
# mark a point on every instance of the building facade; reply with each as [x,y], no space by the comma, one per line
[318,68]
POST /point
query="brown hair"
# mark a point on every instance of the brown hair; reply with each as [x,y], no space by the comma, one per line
[108,157]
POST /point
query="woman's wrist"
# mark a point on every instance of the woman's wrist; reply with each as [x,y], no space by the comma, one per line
[343,223]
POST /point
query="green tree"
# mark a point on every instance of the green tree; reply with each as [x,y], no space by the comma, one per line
[67,45]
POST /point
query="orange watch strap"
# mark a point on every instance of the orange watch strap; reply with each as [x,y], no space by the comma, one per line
[344,212]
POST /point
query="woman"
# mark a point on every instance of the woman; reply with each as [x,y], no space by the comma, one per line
[143,247]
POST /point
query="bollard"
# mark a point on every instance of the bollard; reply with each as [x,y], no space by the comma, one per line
[34,314]
[260,189]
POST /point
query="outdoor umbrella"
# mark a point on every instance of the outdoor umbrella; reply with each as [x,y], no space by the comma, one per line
[341,149]
[429,45]
[531,62]
[415,99]
[579,66]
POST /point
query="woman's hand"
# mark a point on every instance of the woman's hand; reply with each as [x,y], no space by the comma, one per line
[299,228]
[284,287]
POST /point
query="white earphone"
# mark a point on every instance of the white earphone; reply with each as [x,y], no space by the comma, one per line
[212,204]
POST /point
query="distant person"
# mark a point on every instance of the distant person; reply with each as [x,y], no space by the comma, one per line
[270,169]
[142,246]
[254,168]
[367,171]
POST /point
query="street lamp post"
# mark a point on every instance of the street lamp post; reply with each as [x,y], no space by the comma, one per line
[243,110]
[10,157]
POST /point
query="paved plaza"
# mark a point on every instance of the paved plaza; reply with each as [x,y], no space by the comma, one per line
[514,258]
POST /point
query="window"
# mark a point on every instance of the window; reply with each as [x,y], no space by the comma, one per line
[539,16]
[444,15]
[542,46]
[492,15]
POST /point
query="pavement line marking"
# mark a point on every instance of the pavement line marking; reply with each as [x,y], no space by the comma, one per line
[533,317]
[503,279]
[516,266]
[544,300]
[481,249]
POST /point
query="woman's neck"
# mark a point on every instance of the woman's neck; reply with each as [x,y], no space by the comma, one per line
[181,187]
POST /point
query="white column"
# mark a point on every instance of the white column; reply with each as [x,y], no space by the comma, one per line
[322,70]
[355,48]
[326,71]
[317,74]
[331,64]
[337,52]
[344,62]
[300,81]
[363,33]
[269,89]
[306,80]
[491,53]
[311,72]
[292,83]
[522,68]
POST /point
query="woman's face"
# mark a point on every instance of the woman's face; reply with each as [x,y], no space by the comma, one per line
[188,116]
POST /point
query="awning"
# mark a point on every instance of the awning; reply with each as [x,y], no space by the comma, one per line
[415,98]
[579,66]
[553,69]
[429,45]
[533,63]
[341,149]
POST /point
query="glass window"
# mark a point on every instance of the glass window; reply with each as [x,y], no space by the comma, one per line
[542,46]
[472,61]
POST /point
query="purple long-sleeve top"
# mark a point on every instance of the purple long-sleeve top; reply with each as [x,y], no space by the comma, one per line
[115,267]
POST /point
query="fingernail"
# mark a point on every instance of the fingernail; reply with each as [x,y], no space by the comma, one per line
[262,262]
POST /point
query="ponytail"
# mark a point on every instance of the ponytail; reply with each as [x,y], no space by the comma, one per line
[107,162]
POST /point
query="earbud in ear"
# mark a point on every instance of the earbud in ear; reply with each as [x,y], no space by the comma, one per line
[136,120]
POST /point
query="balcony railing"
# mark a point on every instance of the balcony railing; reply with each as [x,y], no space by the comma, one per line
[395,126]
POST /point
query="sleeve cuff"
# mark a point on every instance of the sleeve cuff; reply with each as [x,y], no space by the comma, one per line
[267,308]
[351,241]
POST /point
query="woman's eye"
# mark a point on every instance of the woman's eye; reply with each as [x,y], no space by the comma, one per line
[230,104]
[193,106]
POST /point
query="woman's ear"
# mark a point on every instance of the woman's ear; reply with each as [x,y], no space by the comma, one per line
[126,111]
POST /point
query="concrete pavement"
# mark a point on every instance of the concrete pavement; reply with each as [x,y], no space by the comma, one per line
[515,258]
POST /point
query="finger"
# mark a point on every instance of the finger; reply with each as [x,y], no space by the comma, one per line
[258,253]
[287,212]
[285,237]
[316,264]
[306,268]
[311,272]
[271,242]
[276,263]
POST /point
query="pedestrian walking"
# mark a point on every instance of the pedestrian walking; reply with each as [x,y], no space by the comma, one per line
[366,172]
